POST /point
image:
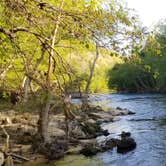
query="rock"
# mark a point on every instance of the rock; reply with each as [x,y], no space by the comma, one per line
[101,116]
[126,143]
[125,134]
[131,113]
[119,108]
[105,132]
[91,108]
[116,118]
[5,121]
[56,150]
[75,130]
[55,132]
[91,121]
[110,144]
[21,149]
[89,150]
[74,150]
[78,133]
[119,111]
[91,130]
[85,142]
[53,150]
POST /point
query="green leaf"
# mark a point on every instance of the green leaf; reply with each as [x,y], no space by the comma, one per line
[147,67]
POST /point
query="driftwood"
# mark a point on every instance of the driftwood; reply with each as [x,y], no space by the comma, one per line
[18,157]
[10,157]
[2,158]
[8,160]
[7,139]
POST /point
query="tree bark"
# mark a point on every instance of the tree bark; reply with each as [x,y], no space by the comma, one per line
[85,96]
[25,86]
[44,118]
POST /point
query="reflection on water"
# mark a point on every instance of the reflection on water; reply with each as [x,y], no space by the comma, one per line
[145,127]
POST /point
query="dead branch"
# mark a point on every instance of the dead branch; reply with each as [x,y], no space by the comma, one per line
[18,156]
[7,139]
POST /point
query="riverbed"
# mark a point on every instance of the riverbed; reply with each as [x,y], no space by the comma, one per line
[146,126]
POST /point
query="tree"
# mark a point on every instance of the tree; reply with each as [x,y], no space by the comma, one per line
[35,30]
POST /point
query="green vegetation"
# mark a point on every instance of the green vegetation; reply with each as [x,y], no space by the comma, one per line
[51,48]
[145,71]
[26,36]
[73,55]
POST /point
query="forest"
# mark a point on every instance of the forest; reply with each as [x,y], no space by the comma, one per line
[55,51]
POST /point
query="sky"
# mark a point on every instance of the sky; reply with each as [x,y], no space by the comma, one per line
[149,11]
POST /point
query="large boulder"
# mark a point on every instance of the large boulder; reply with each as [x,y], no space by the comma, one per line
[126,143]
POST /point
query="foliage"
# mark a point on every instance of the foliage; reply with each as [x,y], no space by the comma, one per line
[26,32]
[130,77]
[146,71]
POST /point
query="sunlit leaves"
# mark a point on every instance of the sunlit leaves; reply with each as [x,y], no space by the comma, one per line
[158,52]
[86,21]
[147,68]
[156,75]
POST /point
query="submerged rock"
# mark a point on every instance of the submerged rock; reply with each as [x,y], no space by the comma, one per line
[120,111]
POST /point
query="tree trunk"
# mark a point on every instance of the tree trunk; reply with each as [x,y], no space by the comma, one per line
[44,118]
[26,86]
[85,96]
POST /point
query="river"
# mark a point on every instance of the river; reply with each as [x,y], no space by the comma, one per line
[146,128]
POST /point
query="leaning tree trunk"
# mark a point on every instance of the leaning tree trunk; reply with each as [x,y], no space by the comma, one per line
[86,95]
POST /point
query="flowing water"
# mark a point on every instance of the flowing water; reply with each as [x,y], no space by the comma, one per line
[146,126]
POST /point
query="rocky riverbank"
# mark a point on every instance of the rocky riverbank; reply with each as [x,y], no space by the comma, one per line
[83,131]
